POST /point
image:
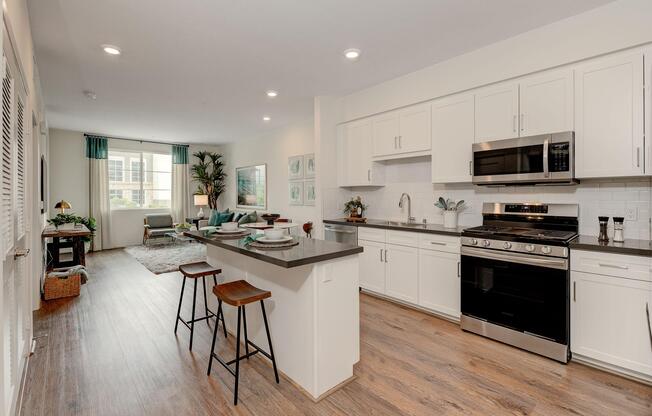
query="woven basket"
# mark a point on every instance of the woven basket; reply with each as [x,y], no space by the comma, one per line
[55,288]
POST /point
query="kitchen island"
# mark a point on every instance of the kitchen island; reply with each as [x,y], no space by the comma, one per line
[314,309]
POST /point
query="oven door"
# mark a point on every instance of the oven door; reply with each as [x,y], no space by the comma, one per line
[526,293]
[535,159]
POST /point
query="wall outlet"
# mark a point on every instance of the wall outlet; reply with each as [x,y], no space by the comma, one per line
[631,214]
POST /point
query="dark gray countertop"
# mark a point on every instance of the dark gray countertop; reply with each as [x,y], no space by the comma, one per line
[417,228]
[631,247]
[308,251]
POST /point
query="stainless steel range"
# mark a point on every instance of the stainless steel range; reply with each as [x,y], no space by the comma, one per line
[515,276]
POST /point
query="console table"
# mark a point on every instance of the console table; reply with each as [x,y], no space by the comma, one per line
[67,232]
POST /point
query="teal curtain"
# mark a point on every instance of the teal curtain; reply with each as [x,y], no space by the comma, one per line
[97,147]
[179,154]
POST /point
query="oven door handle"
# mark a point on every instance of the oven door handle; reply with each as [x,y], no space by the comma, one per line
[552,263]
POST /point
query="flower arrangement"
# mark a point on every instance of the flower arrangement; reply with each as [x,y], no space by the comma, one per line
[355,207]
[62,219]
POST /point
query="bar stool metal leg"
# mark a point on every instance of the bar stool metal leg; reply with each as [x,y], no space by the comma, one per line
[210,359]
[183,286]
[269,341]
[237,360]
[192,322]
[244,321]
[203,282]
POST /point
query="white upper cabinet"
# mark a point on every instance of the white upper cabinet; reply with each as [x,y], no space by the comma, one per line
[401,132]
[386,129]
[452,138]
[414,133]
[546,103]
[609,117]
[496,112]
[355,167]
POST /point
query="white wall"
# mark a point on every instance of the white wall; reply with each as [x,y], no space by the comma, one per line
[274,149]
[618,25]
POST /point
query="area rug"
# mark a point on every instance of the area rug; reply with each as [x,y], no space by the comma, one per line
[164,258]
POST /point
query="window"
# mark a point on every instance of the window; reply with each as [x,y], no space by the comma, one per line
[115,169]
[139,179]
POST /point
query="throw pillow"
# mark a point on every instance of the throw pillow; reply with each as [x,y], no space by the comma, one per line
[238,216]
[249,218]
[217,217]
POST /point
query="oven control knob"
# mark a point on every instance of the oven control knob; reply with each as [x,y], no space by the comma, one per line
[474,242]
[546,250]
[529,248]
[507,245]
[486,243]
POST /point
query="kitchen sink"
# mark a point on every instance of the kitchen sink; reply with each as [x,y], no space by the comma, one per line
[404,224]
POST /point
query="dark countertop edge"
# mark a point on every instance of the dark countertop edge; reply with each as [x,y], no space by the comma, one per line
[590,243]
[278,262]
[443,231]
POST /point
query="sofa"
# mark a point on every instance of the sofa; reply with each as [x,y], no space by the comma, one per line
[157,225]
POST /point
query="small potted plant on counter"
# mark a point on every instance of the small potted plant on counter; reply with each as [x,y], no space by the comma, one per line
[182,227]
[355,208]
[451,208]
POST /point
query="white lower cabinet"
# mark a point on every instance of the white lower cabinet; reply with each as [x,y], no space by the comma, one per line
[402,273]
[416,268]
[610,320]
[372,266]
[439,282]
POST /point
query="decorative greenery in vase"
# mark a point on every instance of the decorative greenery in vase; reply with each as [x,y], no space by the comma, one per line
[449,204]
[210,175]
[184,226]
[355,207]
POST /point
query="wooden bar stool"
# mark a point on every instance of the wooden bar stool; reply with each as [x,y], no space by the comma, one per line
[240,293]
[196,271]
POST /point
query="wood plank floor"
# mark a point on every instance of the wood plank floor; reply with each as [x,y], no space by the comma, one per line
[112,351]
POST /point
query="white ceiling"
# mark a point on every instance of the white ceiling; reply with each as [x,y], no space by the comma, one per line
[197,70]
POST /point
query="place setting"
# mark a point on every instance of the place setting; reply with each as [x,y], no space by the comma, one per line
[273,238]
[229,231]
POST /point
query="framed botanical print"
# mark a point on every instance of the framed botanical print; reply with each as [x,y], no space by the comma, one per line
[251,182]
[309,193]
[295,167]
[296,193]
[309,165]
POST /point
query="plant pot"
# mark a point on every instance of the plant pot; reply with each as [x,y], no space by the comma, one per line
[450,219]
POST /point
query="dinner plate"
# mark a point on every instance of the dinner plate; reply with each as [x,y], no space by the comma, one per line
[284,239]
[221,231]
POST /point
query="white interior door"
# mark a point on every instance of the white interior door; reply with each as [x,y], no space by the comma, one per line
[15,309]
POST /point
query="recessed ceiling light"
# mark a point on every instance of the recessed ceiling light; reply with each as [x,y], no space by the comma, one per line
[272,93]
[352,54]
[266,118]
[111,49]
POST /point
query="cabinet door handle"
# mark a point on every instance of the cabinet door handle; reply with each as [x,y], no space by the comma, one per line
[368,175]
[385,256]
[638,157]
[522,123]
[381,255]
[470,167]
[395,142]
[459,269]
[514,123]
[613,266]
[400,145]
[437,243]
[574,291]
[649,325]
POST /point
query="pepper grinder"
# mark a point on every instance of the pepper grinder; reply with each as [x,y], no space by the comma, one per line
[619,235]
[604,224]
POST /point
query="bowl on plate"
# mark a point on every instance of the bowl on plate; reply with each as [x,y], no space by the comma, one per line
[274,233]
[229,226]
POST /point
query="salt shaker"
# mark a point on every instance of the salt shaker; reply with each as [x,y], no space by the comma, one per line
[619,234]
[604,223]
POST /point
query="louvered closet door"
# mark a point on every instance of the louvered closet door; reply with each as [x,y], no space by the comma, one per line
[15,306]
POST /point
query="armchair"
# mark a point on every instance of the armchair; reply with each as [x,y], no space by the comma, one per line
[157,225]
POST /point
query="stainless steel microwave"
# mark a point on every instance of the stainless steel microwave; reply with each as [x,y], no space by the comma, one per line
[543,159]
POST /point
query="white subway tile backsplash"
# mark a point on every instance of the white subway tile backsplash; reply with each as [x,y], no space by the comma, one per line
[595,197]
